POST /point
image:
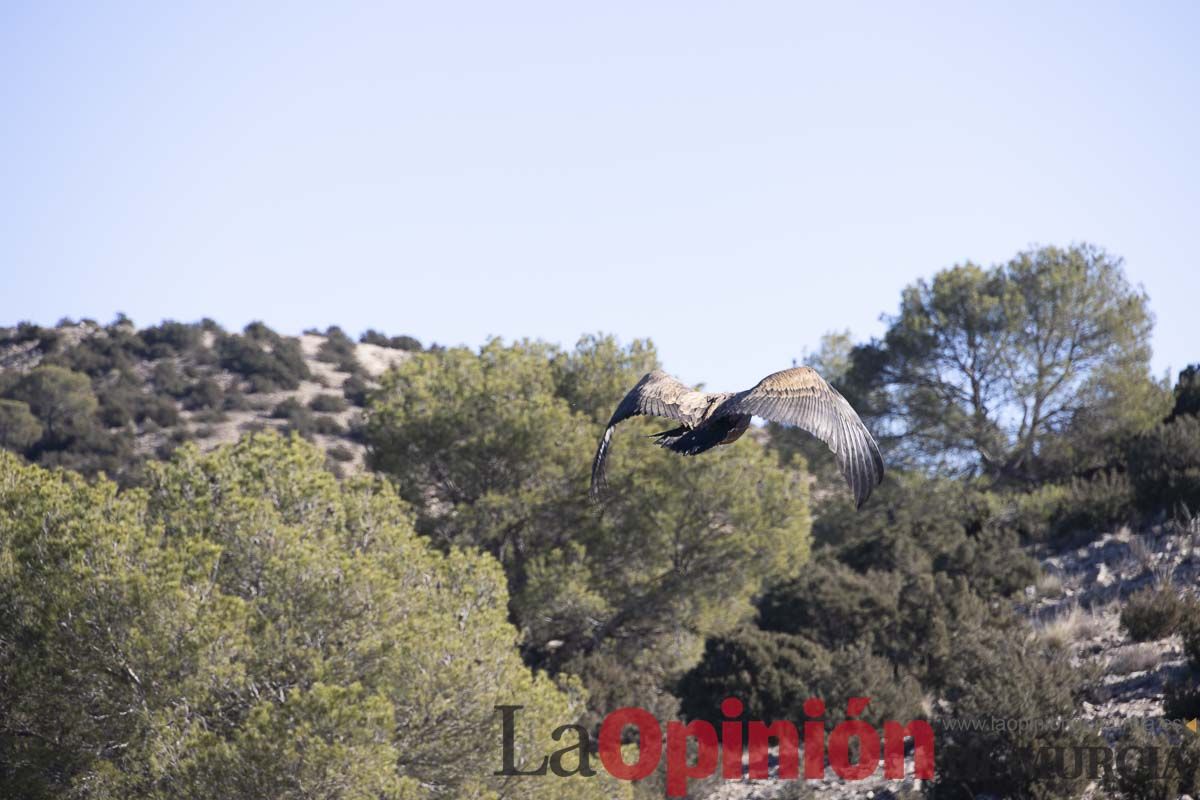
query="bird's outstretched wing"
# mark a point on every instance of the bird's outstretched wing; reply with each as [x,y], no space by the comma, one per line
[657,394]
[801,397]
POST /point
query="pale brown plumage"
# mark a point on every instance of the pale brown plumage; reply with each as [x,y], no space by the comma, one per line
[797,396]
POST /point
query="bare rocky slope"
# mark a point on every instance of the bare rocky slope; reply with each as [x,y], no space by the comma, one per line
[321,404]
[1078,602]
[327,378]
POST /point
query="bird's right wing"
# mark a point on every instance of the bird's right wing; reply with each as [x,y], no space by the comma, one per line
[801,397]
[657,394]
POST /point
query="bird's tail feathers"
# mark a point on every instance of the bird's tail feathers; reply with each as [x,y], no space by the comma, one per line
[703,437]
[668,438]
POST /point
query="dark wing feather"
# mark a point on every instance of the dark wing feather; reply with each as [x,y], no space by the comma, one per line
[657,394]
[801,397]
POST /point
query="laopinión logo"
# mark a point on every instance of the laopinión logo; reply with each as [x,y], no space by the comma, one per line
[736,741]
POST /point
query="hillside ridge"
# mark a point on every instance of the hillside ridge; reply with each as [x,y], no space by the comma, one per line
[154,388]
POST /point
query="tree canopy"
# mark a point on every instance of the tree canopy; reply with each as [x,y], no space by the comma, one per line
[1015,371]
[249,627]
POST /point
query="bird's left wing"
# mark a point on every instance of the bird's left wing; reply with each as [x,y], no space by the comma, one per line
[656,394]
[801,397]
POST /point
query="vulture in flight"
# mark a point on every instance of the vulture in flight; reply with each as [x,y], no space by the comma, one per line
[797,396]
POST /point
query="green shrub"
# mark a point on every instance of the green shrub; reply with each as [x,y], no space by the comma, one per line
[1182,700]
[1097,504]
[355,430]
[328,426]
[832,605]
[159,408]
[340,452]
[774,673]
[19,428]
[1152,614]
[168,379]
[1033,514]
[908,619]
[328,403]
[339,349]
[857,672]
[1187,392]
[372,336]
[1062,511]
[170,338]
[1001,673]
[771,673]
[261,384]
[920,524]
[1165,465]
[61,399]
[355,390]
[96,356]
[409,343]
[267,360]
[394,342]
[205,357]
[210,415]
[991,560]
[1191,632]
[234,400]
[205,393]
[120,402]
[47,338]
[286,408]
[96,450]
[904,577]
[299,418]
[1174,773]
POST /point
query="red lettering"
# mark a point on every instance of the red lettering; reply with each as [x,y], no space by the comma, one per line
[893,749]
[678,769]
[789,749]
[649,743]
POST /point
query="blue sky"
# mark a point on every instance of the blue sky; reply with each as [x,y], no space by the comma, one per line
[731,180]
